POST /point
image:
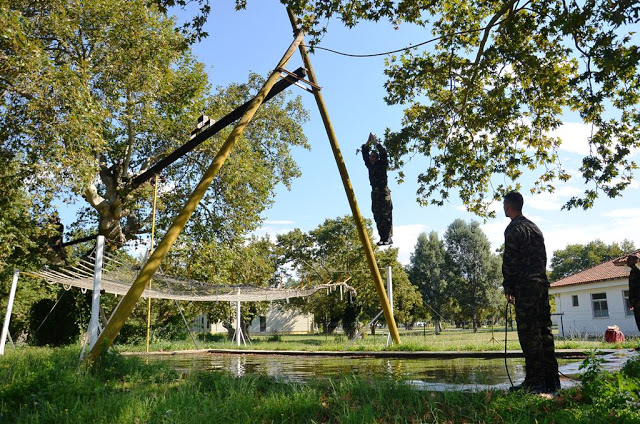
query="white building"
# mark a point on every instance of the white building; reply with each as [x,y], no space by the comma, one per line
[276,320]
[593,300]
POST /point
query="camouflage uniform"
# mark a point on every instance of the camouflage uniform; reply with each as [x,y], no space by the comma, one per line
[525,277]
[381,205]
[634,293]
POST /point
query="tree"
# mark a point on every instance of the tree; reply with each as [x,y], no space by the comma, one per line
[328,254]
[332,253]
[252,262]
[24,235]
[475,269]
[95,99]
[578,257]
[407,300]
[427,271]
[481,103]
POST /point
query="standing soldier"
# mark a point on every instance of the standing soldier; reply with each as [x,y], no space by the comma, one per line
[634,283]
[526,285]
[381,206]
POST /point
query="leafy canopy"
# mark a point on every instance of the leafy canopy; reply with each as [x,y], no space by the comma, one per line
[95,99]
[475,270]
[482,101]
[332,252]
[578,257]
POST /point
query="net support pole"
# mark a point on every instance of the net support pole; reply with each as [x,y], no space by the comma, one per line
[153,230]
[7,316]
[129,300]
[238,327]
[95,297]
[348,188]
[390,295]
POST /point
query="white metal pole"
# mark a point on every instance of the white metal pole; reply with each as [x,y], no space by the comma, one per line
[390,296]
[95,299]
[390,288]
[7,317]
[238,330]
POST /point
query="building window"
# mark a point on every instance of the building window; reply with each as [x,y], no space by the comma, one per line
[263,324]
[574,300]
[627,305]
[600,307]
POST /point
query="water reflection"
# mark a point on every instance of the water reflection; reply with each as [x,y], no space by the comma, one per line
[431,374]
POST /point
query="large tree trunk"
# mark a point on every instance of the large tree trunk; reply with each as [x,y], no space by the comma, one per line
[231,331]
[245,329]
[110,207]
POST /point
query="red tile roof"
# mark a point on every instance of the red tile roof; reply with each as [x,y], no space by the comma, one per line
[603,272]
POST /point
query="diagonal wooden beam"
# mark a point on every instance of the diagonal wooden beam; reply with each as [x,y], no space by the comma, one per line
[348,188]
[216,127]
[128,302]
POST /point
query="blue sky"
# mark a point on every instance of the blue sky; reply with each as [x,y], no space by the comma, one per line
[255,39]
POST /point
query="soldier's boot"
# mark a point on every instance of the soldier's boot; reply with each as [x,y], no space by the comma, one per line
[530,387]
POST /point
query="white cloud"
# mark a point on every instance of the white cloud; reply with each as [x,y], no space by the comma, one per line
[281,222]
[495,231]
[272,232]
[405,238]
[574,136]
[558,237]
[623,213]
[552,201]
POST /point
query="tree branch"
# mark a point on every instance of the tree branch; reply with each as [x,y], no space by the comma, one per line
[487,31]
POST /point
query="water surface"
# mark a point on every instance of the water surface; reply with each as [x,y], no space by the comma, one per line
[429,374]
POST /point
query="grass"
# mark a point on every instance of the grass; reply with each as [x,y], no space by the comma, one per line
[449,340]
[43,385]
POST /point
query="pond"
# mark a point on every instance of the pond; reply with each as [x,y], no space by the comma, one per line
[424,373]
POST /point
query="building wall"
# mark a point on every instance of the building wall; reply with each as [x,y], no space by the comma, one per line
[580,321]
[277,321]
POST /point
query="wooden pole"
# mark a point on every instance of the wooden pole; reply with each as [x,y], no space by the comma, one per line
[346,182]
[129,300]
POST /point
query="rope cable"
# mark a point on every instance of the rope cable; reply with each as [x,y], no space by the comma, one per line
[506,323]
[406,48]
[54,306]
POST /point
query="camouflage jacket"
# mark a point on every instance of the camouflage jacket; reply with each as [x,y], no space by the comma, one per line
[634,285]
[377,171]
[525,257]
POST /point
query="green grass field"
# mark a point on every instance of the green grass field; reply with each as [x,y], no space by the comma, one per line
[44,385]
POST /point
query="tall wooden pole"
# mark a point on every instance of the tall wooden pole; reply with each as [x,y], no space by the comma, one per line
[357,217]
[129,300]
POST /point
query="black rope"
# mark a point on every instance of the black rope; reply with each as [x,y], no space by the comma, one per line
[54,306]
[407,48]
[506,323]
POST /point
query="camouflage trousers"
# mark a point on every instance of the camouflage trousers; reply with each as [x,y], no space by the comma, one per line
[382,209]
[636,312]
[533,316]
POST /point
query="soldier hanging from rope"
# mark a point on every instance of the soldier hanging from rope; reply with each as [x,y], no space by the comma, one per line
[381,206]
